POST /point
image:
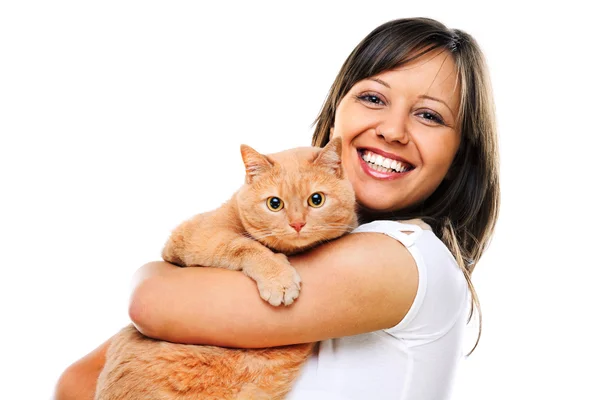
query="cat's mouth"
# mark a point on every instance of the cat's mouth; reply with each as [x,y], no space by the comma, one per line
[380,163]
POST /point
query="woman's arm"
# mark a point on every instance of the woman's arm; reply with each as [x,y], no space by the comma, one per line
[78,381]
[360,283]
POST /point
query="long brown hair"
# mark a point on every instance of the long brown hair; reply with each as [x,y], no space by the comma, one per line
[463,209]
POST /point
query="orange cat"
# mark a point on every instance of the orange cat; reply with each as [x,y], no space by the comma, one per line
[291,201]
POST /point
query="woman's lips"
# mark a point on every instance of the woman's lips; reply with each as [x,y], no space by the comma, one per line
[385,154]
[379,174]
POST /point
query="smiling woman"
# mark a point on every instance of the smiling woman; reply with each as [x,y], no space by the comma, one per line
[417,92]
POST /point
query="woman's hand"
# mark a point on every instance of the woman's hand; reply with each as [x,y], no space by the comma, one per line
[360,283]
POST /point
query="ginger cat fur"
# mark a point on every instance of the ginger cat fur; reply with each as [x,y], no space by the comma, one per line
[290,201]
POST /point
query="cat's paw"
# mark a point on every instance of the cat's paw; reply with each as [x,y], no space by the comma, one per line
[282,286]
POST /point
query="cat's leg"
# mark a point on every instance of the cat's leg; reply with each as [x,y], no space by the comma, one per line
[278,282]
[213,240]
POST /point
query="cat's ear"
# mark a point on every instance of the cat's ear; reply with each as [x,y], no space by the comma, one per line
[330,157]
[255,162]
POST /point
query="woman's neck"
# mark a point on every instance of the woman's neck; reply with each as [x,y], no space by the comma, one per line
[366,215]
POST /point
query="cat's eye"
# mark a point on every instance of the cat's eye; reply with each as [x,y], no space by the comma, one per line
[316,200]
[274,203]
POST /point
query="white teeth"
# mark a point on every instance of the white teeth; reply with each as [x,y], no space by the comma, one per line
[383,164]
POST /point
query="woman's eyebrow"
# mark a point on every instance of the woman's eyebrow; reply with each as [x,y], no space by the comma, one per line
[384,83]
[424,96]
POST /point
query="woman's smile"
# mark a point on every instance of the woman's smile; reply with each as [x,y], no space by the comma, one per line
[382,165]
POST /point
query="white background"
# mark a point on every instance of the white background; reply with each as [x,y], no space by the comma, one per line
[120,119]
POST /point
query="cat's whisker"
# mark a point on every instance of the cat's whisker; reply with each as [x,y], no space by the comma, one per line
[274,235]
[329,227]
[256,237]
[261,234]
[336,225]
[340,225]
[266,233]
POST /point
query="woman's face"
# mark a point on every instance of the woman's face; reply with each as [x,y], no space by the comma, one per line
[399,132]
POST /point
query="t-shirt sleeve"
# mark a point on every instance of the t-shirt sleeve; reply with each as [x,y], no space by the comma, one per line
[442,297]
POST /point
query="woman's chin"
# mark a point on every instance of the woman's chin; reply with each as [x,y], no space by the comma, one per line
[381,205]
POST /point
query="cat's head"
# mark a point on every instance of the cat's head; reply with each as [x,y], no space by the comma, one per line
[297,198]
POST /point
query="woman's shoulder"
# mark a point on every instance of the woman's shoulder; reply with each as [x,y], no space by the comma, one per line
[415,235]
[442,291]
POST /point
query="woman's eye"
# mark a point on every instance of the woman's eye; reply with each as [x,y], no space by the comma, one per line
[316,200]
[274,203]
[432,117]
[371,99]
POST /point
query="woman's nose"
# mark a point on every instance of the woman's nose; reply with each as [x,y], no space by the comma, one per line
[394,129]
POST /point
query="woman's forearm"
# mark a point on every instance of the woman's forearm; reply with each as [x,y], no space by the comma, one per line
[360,283]
[194,305]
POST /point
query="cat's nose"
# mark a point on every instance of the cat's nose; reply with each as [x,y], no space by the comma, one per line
[297,225]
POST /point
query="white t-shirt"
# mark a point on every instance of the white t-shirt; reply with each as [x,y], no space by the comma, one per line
[414,360]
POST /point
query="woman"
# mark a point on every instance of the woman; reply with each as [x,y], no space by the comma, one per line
[413,107]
